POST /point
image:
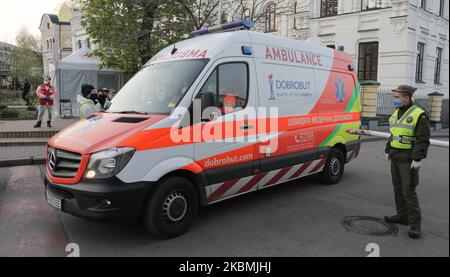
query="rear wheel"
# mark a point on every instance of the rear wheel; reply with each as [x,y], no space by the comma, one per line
[334,168]
[171,208]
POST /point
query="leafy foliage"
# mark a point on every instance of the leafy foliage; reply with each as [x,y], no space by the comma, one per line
[27,59]
[128,33]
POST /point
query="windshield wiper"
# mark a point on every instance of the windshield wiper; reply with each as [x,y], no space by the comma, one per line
[131,112]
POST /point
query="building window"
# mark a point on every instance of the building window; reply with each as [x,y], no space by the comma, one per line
[271,19]
[88,43]
[246,14]
[423,4]
[48,25]
[370,5]
[441,8]
[368,61]
[419,61]
[437,70]
[48,45]
[79,44]
[329,8]
[224,18]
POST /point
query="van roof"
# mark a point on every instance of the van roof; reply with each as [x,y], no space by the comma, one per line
[229,44]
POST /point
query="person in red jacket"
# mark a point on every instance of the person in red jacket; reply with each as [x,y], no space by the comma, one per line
[46,94]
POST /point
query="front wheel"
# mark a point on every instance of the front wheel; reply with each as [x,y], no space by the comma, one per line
[171,208]
[334,168]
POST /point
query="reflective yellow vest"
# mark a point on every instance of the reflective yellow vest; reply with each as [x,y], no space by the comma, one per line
[86,107]
[403,129]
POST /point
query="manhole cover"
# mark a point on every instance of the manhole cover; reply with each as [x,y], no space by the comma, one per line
[372,226]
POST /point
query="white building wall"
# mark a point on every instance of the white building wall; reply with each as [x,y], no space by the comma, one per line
[79,34]
[397,25]
[428,27]
[56,43]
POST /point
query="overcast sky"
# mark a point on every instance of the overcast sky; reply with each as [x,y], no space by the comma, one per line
[14,14]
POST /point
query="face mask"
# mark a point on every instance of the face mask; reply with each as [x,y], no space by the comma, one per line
[397,103]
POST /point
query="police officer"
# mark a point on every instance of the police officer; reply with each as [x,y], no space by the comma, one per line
[407,147]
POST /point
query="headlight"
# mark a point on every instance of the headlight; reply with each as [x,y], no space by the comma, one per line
[108,163]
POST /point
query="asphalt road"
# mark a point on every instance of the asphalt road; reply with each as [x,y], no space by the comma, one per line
[300,218]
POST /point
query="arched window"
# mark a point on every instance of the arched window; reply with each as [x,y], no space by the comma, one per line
[224,18]
[246,13]
[271,19]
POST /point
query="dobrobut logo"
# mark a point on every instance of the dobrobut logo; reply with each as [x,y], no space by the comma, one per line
[289,88]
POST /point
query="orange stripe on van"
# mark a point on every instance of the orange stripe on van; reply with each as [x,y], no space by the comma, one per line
[161,138]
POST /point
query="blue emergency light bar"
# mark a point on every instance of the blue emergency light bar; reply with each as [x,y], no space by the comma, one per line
[243,23]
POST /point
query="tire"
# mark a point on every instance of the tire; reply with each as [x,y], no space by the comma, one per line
[334,168]
[171,208]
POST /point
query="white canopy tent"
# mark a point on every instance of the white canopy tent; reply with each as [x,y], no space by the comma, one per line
[78,69]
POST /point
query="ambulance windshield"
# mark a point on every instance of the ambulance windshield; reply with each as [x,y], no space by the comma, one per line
[157,88]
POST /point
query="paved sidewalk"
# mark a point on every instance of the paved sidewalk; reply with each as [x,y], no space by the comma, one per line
[21,144]
[21,152]
[27,125]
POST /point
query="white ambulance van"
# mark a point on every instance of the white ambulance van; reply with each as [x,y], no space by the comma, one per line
[213,117]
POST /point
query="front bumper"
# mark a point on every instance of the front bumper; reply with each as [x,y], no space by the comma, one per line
[87,199]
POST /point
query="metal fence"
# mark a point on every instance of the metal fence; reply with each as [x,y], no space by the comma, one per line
[385,108]
[384,102]
[14,97]
[384,105]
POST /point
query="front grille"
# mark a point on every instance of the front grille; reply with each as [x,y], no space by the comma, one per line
[64,164]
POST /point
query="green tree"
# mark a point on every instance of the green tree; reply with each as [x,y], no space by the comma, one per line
[128,33]
[27,58]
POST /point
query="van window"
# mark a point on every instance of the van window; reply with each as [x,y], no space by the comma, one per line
[229,84]
[158,88]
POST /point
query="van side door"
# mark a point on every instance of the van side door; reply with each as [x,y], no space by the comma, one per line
[291,153]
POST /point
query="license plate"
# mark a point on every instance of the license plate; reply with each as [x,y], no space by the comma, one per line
[53,200]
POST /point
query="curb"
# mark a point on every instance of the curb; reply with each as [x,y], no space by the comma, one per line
[23,143]
[29,134]
[22,161]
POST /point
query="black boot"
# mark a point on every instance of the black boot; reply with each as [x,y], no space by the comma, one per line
[414,231]
[38,125]
[48,124]
[396,219]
